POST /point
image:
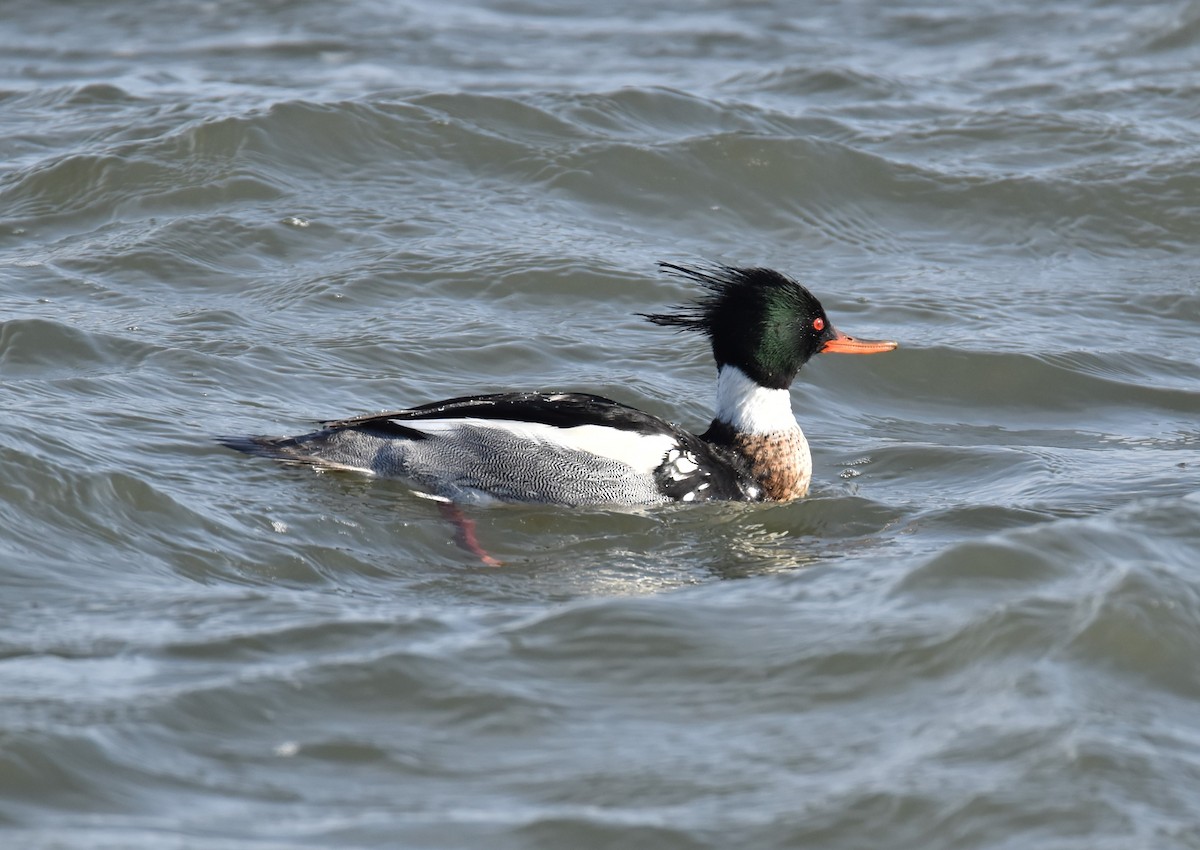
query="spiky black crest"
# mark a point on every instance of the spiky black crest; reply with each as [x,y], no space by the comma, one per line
[759,320]
[729,287]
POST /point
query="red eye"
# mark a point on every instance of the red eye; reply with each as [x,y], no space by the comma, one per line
[818,324]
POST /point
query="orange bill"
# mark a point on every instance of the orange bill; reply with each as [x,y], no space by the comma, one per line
[842,344]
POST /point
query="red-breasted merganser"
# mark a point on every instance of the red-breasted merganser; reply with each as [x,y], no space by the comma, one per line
[577,449]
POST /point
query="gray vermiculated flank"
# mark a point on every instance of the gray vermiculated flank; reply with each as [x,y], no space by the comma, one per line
[472,460]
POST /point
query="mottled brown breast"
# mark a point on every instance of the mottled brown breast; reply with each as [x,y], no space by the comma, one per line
[780,461]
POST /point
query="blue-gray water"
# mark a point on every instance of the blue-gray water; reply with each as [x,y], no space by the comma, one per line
[981,631]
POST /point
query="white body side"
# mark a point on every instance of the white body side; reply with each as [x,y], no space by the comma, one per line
[642,452]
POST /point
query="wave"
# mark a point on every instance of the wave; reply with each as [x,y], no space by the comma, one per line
[641,154]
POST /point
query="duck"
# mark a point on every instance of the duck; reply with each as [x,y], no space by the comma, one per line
[578,449]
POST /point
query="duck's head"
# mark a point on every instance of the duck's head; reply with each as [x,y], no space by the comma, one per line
[760,321]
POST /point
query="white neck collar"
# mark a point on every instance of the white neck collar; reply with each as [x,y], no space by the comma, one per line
[749,407]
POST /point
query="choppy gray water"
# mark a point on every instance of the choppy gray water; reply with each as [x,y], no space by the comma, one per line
[982,630]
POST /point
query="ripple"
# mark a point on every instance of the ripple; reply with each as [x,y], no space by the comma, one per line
[839,83]
[41,349]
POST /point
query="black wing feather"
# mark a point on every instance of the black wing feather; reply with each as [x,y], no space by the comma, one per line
[561,410]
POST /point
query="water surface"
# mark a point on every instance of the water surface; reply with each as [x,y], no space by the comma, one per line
[981,630]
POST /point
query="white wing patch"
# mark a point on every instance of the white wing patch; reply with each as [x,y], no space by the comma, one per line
[642,452]
[680,463]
